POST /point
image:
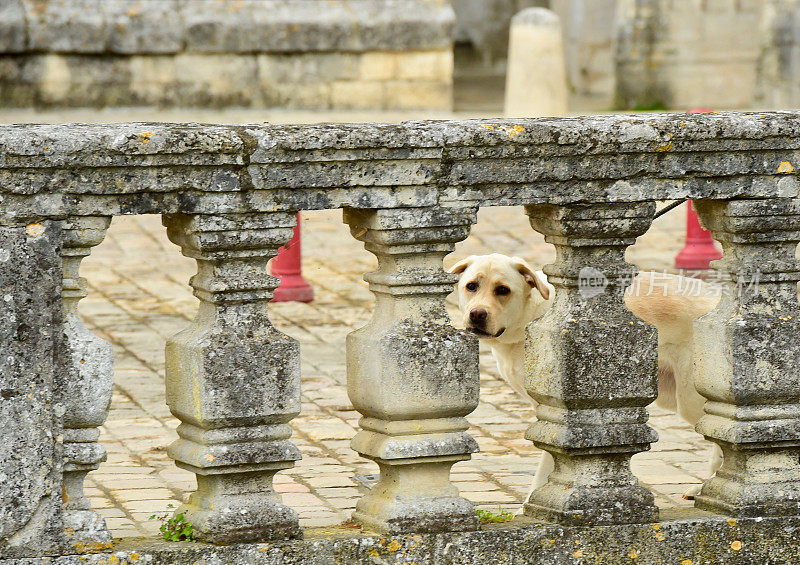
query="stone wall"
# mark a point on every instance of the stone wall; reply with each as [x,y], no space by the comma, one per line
[318,54]
[779,65]
[688,53]
[588,40]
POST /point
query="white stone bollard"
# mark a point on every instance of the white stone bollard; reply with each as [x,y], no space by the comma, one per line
[536,80]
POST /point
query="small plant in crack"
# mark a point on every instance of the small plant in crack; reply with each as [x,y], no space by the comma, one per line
[489,517]
[174,528]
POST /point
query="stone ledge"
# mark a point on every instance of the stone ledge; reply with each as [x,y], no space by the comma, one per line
[693,535]
[51,171]
[232,26]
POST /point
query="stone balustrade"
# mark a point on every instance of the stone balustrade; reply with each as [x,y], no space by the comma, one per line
[228,196]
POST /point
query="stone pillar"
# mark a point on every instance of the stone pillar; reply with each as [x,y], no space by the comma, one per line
[87,364]
[536,81]
[592,367]
[411,375]
[746,359]
[31,455]
[233,380]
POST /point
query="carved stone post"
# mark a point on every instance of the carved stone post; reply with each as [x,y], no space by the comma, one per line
[592,367]
[411,375]
[87,370]
[746,359]
[233,380]
[31,415]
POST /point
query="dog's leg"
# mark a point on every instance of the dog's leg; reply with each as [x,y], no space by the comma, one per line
[714,463]
[546,465]
[666,398]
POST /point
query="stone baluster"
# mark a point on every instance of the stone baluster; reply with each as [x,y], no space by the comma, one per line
[592,367]
[87,365]
[746,359]
[233,380]
[411,375]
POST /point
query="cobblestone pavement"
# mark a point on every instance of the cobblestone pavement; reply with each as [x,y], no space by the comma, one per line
[139,295]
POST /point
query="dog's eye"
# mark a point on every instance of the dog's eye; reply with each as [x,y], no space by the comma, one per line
[472,286]
[502,290]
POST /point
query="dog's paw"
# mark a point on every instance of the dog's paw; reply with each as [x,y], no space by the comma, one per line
[692,492]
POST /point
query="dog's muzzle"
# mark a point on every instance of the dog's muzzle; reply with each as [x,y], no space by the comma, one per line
[486,335]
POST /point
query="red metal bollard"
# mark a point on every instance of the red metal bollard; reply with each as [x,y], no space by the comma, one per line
[287,266]
[700,249]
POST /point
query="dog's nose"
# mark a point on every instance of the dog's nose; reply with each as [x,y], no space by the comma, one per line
[478,316]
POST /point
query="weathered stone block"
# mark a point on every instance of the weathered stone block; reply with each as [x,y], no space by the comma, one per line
[357,95]
[10,70]
[13,32]
[55,80]
[339,25]
[144,27]
[154,79]
[402,25]
[434,66]
[216,80]
[66,26]
[698,85]
[196,169]
[277,69]
[76,80]
[30,327]
[377,66]
[415,95]
[306,95]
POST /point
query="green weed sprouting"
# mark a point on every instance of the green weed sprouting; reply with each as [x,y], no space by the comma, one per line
[176,528]
[489,517]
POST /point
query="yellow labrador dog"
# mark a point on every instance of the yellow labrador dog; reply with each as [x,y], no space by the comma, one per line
[499,295]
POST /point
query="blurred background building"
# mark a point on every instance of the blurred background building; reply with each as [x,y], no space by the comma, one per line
[391,54]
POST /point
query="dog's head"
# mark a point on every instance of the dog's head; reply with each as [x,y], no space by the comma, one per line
[498,295]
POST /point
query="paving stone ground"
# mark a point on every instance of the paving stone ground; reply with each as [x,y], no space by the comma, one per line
[139,295]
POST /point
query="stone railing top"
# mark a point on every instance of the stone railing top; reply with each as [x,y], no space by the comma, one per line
[75,169]
[128,27]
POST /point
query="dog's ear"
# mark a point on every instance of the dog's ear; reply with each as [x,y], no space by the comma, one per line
[530,277]
[462,265]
